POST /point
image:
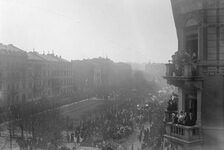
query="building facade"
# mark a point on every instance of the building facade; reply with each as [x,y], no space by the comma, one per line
[197,70]
[50,75]
[36,76]
[27,76]
[12,74]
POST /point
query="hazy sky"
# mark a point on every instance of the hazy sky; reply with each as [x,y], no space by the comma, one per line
[123,30]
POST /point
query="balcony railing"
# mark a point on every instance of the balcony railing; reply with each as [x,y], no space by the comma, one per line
[187,133]
[188,70]
[176,74]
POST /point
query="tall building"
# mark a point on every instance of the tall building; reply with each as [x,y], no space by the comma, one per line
[26,76]
[52,74]
[13,69]
[197,70]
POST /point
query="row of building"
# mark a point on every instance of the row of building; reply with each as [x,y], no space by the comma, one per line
[26,76]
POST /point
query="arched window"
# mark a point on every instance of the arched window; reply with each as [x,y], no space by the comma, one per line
[191,36]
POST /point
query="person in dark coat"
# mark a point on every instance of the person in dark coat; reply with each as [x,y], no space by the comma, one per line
[72,137]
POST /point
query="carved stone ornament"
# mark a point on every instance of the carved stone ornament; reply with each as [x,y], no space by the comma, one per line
[193,19]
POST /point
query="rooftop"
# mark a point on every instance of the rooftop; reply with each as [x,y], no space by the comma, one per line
[45,57]
[10,49]
[34,56]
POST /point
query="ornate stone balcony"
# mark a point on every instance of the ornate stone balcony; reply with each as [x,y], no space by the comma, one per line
[186,134]
[176,75]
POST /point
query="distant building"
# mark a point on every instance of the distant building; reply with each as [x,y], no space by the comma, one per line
[138,66]
[36,76]
[53,75]
[26,76]
[97,76]
[100,76]
[13,69]
[197,69]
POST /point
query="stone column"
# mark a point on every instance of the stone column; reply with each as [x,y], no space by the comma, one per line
[181,100]
[200,43]
[199,98]
[181,39]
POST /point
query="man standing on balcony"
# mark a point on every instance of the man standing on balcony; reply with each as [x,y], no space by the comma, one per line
[181,118]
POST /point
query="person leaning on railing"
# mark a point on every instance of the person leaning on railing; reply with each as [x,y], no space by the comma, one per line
[181,118]
[184,118]
[174,118]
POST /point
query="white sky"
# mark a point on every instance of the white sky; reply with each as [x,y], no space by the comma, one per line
[123,30]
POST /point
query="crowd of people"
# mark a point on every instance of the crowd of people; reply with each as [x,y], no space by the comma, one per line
[152,125]
[113,122]
[144,135]
[184,118]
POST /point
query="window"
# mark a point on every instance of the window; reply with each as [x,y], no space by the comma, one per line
[192,44]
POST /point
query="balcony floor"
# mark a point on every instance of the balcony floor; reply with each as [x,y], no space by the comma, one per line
[183,78]
[180,140]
